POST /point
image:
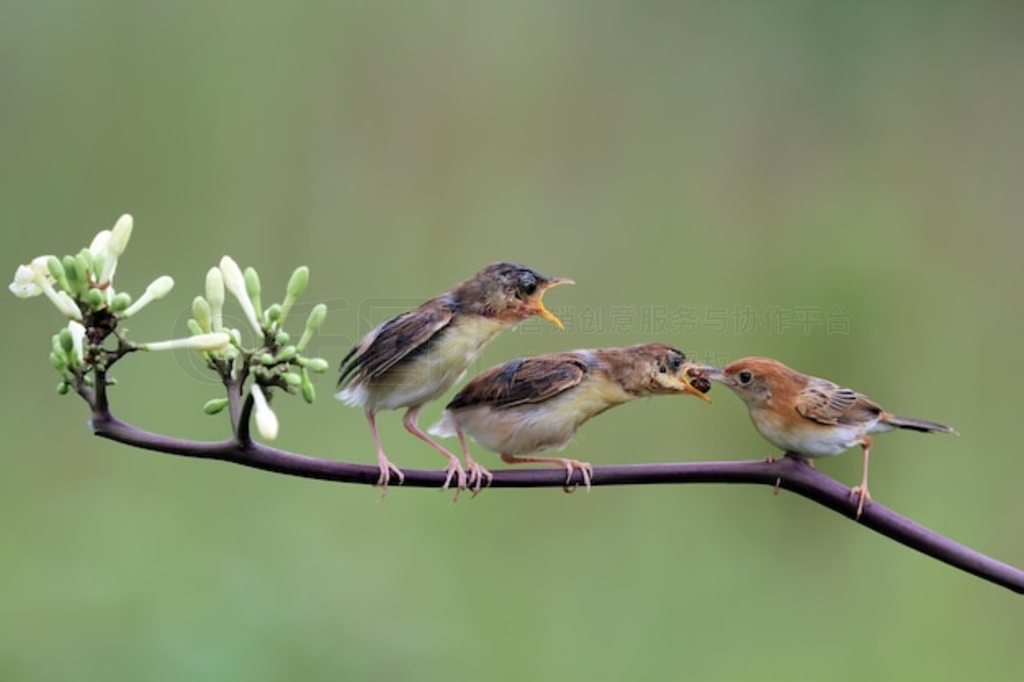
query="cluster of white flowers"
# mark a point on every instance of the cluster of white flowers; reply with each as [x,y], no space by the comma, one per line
[81,287]
[84,283]
[278,362]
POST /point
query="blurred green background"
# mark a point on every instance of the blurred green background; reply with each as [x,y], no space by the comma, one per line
[835,184]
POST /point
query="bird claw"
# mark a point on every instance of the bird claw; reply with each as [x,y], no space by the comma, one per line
[476,478]
[861,492]
[455,470]
[386,467]
[586,470]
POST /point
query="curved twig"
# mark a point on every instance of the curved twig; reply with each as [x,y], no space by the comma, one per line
[791,473]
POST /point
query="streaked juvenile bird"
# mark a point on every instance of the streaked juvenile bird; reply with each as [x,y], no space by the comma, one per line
[812,417]
[415,357]
[535,404]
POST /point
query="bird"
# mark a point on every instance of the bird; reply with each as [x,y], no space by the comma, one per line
[530,405]
[809,416]
[417,356]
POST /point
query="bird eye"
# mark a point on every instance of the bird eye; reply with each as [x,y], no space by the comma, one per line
[675,362]
[745,377]
[527,284]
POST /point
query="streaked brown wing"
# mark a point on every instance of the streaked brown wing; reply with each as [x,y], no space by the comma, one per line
[522,382]
[827,403]
[388,344]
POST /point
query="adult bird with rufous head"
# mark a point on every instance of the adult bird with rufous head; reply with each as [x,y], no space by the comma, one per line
[811,417]
[417,356]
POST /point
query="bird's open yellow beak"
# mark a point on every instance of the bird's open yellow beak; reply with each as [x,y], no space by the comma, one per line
[687,387]
[539,308]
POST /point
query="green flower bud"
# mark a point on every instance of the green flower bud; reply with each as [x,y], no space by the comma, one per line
[95,299]
[98,261]
[318,365]
[252,286]
[273,314]
[292,379]
[193,328]
[83,266]
[63,388]
[85,261]
[297,284]
[59,360]
[308,392]
[53,264]
[267,359]
[316,318]
[75,279]
[215,406]
[67,343]
[282,338]
[70,267]
[286,353]
[121,302]
[202,313]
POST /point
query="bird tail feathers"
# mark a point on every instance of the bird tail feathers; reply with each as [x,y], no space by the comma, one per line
[914,424]
[445,428]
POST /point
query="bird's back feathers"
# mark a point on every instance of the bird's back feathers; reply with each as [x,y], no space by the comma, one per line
[828,403]
[397,339]
[523,381]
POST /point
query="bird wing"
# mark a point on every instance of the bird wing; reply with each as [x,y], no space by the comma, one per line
[395,340]
[522,382]
[828,403]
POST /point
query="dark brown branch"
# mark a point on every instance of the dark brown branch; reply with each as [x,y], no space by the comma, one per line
[242,429]
[792,474]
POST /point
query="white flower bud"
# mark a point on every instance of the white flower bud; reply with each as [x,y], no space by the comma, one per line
[234,280]
[202,342]
[65,304]
[215,297]
[100,243]
[266,420]
[106,250]
[119,236]
[77,342]
[157,289]
[160,287]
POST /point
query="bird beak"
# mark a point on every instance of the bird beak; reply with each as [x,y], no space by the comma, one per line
[538,305]
[689,371]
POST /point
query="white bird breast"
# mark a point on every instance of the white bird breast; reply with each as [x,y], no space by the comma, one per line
[811,440]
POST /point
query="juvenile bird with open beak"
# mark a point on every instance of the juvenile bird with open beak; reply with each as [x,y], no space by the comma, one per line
[535,404]
[415,357]
[811,417]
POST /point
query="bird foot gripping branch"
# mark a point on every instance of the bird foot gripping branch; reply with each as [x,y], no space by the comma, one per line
[81,287]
